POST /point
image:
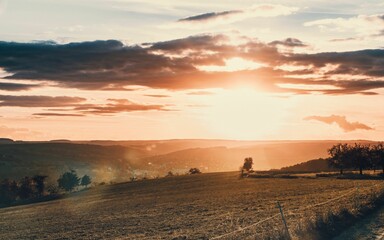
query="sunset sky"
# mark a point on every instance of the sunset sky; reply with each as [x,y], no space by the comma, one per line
[165,69]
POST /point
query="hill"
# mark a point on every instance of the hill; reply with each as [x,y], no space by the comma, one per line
[266,155]
[6,140]
[316,165]
[103,162]
[121,160]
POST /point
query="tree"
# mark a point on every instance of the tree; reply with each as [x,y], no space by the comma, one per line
[377,155]
[346,156]
[194,171]
[248,162]
[339,156]
[26,188]
[8,191]
[39,181]
[85,180]
[359,156]
[68,181]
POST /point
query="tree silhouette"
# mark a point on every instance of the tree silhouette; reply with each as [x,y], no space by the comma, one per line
[377,155]
[26,188]
[248,162]
[359,157]
[8,191]
[68,181]
[339,156]
[85,180]
[39,181]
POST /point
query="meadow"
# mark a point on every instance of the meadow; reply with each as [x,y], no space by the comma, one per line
[202,206]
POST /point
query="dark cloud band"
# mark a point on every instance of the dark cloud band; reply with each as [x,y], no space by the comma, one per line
[209,16]
[111,65]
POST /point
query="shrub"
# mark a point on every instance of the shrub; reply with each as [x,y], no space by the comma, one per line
[194,171]
[53,189]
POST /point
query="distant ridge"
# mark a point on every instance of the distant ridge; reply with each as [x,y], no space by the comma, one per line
[6,140]
[61,140]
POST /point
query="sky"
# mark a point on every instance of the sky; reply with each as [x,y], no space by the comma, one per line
[166,69]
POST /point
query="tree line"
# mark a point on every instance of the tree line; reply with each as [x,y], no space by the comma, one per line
[357,156]
[35,187]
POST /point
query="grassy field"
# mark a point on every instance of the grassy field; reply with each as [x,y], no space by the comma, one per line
[195,206]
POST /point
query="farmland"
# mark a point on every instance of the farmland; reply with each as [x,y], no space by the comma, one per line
[195,206]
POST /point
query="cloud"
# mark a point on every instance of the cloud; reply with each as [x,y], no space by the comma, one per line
[218,18]
[76,105]
[210,16]
[364,25]
[117,106]
[344,39]
[364,62]
[38,101]
[8,86]
[341,121]
[200,93]
[183,64]
[193,44]
[289,42]
[58,115]
[89,65]
[157,95]
[102,64]
[358,86]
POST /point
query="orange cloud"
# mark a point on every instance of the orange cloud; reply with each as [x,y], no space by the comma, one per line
[341,121]
[58,115]
[117,106]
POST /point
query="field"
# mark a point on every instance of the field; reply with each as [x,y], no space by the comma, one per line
[201,206]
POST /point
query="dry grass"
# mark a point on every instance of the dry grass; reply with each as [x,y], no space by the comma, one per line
[195,207]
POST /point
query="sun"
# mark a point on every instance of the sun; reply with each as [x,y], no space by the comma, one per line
[244,114]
